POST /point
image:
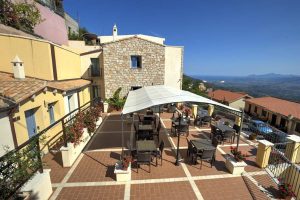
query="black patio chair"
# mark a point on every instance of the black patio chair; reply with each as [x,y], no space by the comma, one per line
[143,158]
[159,152]
[206,120]
[216,140]
[182,129]
[157,131]
[228,136]
[191,151]
[207,155]
[149,112]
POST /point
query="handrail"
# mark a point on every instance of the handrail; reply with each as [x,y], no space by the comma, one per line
[49,127]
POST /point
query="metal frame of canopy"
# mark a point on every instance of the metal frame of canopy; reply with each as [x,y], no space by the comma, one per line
[158,95]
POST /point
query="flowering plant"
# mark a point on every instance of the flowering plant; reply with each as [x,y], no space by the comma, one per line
[90,121]
[238,155]
[75,130]
[96,111]
[187,112]
[285,189]
[126,161]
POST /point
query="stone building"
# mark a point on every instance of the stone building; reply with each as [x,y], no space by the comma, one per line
[129,62]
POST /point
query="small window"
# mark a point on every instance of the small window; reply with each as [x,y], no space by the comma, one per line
[136,62]
[95,67]
[51,112]
[255,109]
[297,129]
[264,113]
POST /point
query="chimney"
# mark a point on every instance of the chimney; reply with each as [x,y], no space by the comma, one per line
[115,32]
[18,68]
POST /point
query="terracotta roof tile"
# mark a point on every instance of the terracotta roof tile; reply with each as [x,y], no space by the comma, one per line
[68,84]
[280,106]
[228,96]
[17,90]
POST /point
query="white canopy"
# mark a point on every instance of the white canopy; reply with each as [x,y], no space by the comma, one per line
[149,96]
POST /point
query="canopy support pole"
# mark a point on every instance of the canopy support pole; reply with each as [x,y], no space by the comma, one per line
[178,138]
[239,133]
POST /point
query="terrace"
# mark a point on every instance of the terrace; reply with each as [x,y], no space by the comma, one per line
[92,175]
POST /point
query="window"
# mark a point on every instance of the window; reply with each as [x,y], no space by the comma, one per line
[95,92]
[95,67]
[135,87]
[136,62]
[297,129]
[264,113]
[255,109]
[51,112]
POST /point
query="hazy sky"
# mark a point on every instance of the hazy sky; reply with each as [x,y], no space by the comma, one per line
[220,37]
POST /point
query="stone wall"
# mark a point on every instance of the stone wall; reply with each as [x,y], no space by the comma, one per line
[117,64]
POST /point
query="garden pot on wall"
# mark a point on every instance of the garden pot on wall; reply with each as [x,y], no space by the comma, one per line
[105,107]
[99,121]
[234,167]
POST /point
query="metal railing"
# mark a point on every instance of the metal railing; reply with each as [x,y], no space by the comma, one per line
[20,164]
[282,170]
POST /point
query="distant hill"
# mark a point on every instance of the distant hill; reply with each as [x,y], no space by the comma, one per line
[277,85]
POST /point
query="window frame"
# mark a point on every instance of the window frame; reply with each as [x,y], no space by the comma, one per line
[139,62]
[97,72]
[51,112]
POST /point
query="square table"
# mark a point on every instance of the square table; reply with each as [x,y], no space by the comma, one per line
[146,145]
[202,144]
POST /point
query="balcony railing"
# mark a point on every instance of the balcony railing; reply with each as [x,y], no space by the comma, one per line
[56,6]
[20,164]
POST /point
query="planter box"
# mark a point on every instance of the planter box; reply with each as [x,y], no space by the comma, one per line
[70,153]
[122,175]
[39,186]
[105,107]
[234,167]
[99,121]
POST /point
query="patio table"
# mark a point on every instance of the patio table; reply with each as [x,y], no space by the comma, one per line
[224,128]
[202,144]
[146,145]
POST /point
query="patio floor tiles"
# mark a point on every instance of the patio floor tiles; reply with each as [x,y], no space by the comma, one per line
[166,115]
[166,170]
[95,166]
[172,190]
[115,192]
[53,161]
[250,160]
[108,140]
[224,188]
[217,169]
[268,184]
[112,126]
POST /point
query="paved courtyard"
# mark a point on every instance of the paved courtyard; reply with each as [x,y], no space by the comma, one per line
[92,175]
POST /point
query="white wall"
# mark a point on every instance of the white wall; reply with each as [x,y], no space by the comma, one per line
[173,66]
[6,138]
[239,104]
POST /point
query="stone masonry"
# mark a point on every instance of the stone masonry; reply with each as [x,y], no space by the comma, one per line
[116,62]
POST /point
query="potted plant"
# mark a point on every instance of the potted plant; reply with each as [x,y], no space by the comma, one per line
[285,190]
[116,102]
[97,113]
[75,130]
[126,162]
[238,155]
[187,112]
[252,136]
[235,162]
[226,123]
[123,169]
[90,122]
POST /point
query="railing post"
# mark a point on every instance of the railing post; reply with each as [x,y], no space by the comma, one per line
[64,133]
[263,153]
[41,170]
[292,151]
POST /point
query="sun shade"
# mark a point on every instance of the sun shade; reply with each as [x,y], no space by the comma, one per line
[158,95]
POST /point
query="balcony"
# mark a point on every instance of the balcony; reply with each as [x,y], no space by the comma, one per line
[55,5]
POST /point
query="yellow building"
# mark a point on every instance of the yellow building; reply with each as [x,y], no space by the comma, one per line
[40,82]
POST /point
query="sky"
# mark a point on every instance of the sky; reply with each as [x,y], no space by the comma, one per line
[220,37]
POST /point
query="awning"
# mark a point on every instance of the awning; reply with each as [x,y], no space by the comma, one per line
[149,96]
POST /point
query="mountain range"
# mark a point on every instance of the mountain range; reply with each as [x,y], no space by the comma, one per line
[276,85]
